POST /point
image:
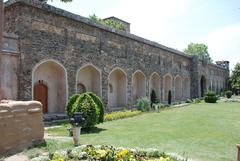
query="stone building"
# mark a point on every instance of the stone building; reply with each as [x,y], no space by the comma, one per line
[50,54]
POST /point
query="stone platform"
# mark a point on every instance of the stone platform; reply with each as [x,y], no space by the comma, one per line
[54,118]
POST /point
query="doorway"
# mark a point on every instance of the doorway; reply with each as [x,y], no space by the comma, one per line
[41,95]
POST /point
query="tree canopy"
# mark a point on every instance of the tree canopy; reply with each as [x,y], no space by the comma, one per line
[111,23]
[66,0]
[60,0]
[201,50]
[235,76]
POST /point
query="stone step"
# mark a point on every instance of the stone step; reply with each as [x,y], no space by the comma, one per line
[49,119]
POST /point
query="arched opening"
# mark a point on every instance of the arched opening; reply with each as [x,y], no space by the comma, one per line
[203,85]
[186,88]
[155,84]
[50,86]
[178,88]
[117,85]
[167,86]
[138,85]
[88,80]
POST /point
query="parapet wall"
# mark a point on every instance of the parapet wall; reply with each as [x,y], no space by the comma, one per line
[21,125]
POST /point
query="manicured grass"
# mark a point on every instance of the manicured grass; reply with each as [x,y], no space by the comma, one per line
[202,131]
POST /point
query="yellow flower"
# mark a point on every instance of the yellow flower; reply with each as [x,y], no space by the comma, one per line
[122,153]
[58,160]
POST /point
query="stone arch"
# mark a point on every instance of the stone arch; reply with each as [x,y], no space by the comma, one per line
[167,85]
[117,79]
[203,85]
[186,88]
[88,79]
[54,76]
[155,84]
[138,85]
[178,88]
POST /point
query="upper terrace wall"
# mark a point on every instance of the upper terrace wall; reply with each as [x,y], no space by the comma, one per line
[9,67]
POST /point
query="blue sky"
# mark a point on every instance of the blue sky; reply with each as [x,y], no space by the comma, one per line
[174,23]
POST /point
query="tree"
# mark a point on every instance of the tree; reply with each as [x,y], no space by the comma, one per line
[60,0]
[201,50]
[235,76]
[111,23]
[169,97]
[153,97]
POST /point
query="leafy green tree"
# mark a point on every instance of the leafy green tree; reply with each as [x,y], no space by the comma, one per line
[201,50]
[235,76]
[108,22]
[60,0]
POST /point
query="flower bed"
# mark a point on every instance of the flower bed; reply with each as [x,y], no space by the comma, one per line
[108,153]
[121,114]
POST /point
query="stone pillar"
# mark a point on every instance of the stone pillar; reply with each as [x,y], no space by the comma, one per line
[195,90]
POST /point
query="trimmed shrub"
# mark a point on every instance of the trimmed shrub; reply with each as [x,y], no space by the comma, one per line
[210,97]
[88,107]
[70,103]
[169,97]
[99,104]
[197,100]
[143,104]
[228,94]
[188,101]
[153,98]
[121,114]
[158,106]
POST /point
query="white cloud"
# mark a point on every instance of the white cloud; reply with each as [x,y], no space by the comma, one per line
[224,44]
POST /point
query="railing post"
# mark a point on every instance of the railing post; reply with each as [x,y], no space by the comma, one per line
[238,152]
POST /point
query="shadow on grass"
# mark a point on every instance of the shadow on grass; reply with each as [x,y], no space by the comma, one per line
[92,130]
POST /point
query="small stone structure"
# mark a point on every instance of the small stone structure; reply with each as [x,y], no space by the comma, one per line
[21,125]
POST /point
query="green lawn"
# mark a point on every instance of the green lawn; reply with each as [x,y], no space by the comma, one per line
[205,132]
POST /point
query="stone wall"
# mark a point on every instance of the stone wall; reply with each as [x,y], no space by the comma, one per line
[9,67]
[48,33]
[21,125]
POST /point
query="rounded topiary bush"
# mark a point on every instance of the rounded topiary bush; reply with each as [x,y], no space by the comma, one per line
[228,94]
[210,97]
[70,103]
[100,106]
[88,107]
